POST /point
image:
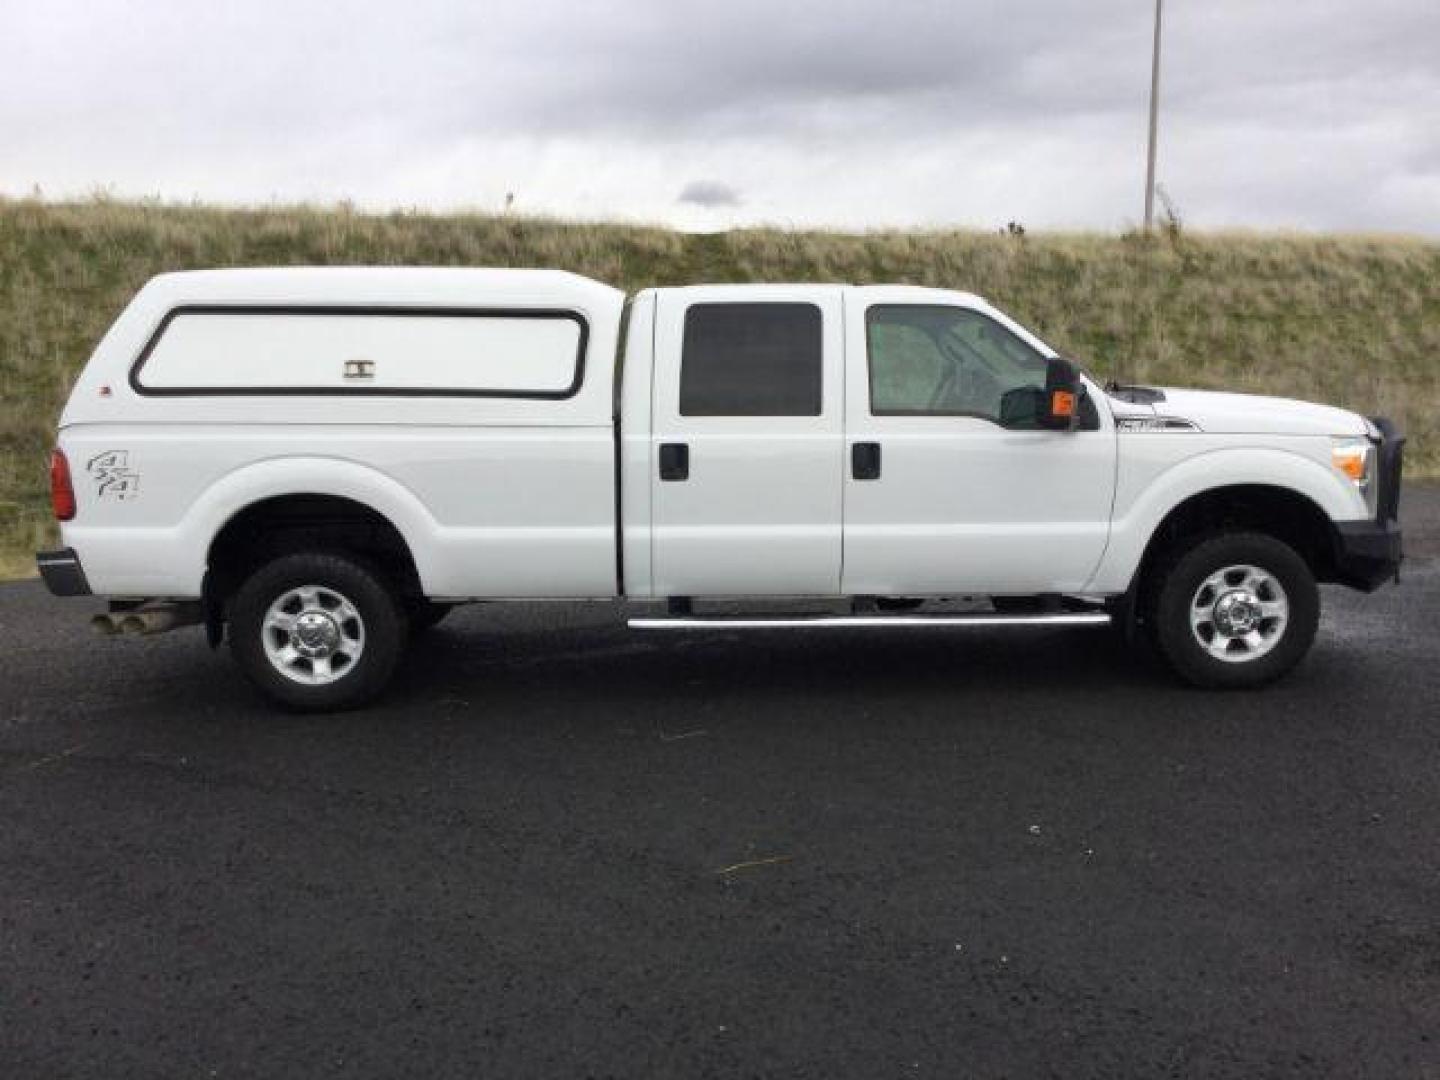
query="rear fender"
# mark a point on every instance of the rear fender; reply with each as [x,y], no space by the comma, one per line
[170,561]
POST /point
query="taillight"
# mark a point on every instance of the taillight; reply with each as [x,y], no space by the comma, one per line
[62,491]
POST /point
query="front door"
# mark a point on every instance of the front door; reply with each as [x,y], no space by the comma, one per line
[950,488]
[747,468]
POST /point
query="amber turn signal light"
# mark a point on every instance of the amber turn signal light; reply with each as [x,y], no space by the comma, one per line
[1351,460]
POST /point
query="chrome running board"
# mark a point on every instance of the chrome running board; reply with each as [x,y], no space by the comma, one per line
[827,622]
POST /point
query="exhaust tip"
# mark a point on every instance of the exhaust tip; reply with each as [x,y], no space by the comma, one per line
[147,620]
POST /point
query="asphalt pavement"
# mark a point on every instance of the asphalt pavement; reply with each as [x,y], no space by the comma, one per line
[559,848]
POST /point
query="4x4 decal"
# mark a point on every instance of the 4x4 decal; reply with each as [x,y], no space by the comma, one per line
[113,475]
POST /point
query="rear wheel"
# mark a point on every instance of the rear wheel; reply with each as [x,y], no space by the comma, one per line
[1234,610]
[317,631]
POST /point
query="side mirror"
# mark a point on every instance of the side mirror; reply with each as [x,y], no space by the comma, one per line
[1054,407]
[1060,410]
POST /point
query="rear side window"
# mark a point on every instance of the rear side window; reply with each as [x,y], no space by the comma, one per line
[751,360]
[235,350]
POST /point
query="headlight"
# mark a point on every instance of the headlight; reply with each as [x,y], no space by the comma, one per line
[1355,460]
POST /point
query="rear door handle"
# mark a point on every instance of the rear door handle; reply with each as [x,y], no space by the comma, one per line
[674,461]
[865,461]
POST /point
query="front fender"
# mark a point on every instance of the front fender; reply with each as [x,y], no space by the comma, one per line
[1141,505]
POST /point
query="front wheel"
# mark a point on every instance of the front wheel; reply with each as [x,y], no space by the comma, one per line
[1234,610]
[317,631]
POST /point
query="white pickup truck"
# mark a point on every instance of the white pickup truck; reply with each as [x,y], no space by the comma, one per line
[325,460]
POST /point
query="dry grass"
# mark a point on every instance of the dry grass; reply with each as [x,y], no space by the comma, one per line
[1353,321]
[17,565]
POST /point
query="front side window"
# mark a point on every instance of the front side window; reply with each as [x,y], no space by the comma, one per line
[934,360]
[751,360]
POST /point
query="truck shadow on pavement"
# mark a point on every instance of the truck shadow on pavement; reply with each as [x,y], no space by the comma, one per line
[886,675]
[617,660]
[579,661]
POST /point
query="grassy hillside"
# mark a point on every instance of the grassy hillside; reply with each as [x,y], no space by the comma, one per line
[1353,321]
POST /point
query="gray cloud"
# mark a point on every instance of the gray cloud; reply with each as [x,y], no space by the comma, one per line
[1305,113]
[709,194]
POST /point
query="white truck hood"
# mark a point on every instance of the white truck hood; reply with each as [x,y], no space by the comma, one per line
[1250,414]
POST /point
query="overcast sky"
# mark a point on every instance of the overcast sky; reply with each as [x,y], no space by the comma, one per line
[1318,114]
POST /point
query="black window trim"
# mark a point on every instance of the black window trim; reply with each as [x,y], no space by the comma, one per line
[724,417]
[361,310]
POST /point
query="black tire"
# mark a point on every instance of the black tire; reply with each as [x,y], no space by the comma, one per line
[1178,581]
[425,614]
[381,631]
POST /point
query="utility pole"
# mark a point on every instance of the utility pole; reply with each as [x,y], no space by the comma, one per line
[1154,114]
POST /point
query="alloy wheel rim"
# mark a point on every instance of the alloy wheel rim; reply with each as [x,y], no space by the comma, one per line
[313,635]
[1239,613]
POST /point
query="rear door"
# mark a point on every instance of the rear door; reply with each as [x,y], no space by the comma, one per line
[747,441]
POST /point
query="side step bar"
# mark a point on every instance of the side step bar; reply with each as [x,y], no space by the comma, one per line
[826,622]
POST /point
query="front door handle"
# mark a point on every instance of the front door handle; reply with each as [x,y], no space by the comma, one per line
[865,461]
[674,461]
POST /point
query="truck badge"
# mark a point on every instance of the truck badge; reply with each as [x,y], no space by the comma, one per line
[113,475]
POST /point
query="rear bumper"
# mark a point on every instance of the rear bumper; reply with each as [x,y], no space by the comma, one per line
[63,574]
